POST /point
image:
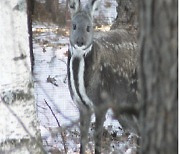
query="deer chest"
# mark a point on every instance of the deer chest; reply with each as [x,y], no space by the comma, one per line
[76,74]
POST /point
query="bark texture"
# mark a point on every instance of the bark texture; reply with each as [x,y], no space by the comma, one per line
[127,17]
[50,11]
[18,128]
[53,8]
[158,72]
[30,10]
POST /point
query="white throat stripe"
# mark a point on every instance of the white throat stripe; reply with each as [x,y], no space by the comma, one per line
[79,52]
[81,83]
[80,77]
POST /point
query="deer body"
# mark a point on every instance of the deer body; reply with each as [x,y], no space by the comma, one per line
[100,71]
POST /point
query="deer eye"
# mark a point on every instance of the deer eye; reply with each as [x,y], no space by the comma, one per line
[74,26]
[88,29]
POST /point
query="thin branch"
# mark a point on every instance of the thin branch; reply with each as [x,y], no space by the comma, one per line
[62,60]
[63,137]
[52,113]
[41,107]
[56,107]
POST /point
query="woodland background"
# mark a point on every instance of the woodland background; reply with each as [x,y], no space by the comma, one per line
[33,77]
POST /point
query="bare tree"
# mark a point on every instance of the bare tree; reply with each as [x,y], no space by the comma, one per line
[158,72]
[18,129]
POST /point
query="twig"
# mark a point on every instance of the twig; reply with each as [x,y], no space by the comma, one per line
[63,137]
[52,113]
[41,107]
[63,61]
[57,109]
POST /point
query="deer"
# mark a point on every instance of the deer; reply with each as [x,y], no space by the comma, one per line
[101,72]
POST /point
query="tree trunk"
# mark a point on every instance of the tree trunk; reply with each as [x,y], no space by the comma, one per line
[52,6]
[127,15]
[30,11]
[18,128]
[158,72]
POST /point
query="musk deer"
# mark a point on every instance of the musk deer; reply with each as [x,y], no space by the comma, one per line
[101,71]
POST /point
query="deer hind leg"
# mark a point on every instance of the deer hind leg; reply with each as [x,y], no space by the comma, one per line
[85,119]
[100,118]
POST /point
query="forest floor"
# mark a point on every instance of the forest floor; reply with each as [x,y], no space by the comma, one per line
[57,114]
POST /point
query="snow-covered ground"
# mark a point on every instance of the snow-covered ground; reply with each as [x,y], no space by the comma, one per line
[51,88]
[57,114]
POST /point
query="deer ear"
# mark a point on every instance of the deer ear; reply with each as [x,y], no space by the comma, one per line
[93,6]
[74,6]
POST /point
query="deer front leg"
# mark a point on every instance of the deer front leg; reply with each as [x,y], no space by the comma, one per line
[100,117]
[85,119]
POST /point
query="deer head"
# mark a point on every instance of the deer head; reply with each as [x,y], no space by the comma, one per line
[81,32]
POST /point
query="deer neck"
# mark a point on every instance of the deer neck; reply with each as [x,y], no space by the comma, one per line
[78,60]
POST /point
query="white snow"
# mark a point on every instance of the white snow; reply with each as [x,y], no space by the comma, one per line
[52,63]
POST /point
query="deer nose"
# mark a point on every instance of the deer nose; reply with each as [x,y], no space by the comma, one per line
[80,42]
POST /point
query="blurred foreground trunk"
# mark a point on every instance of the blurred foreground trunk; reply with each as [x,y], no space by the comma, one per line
[158,69]
[18,128]
[158,46]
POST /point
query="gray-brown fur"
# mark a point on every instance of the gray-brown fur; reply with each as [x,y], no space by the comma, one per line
[114,65]
[109,74]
